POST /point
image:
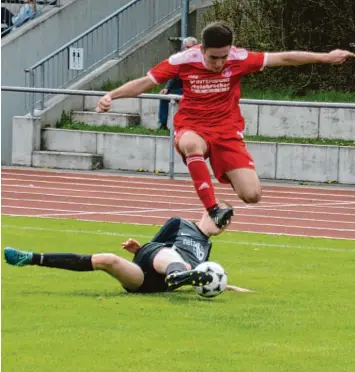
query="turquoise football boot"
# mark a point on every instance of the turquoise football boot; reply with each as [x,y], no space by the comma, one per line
[16,257]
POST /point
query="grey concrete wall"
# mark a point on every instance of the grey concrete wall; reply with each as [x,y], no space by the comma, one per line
[282,121]
[273,160]
[34,41]
[334,123]
[135,152]
[268,121]
[307,162]
[27,139]
[299,122]
[265,158]
[346,165]
[251,117]
[79,141]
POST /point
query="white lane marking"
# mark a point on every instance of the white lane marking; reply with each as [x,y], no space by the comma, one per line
[171,189]
[140,181]
[260,206]
[141,209]
[150,195]
[294,187]
[69,212]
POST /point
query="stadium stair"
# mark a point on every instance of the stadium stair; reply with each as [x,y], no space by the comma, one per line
[108,118]
[64,155]
[67,160]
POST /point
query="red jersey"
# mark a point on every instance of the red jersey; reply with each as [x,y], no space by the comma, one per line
[210,101]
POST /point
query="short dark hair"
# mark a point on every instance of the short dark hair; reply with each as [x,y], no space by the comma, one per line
[217,35]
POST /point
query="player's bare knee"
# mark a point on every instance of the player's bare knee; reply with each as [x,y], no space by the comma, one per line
[191,148]
[251,197]
[103,260]
[191,143]
[165,257]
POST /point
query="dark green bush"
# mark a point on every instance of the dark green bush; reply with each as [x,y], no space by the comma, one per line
[279,25]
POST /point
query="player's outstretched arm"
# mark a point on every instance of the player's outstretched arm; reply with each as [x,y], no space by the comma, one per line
[131,89]
[295,58]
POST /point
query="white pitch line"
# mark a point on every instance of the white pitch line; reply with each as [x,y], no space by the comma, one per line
[288,234]
[232,242]
[260,206]
[143,210]
[184,197]
[135,182]
[229,229]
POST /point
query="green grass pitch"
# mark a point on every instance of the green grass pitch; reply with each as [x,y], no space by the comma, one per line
[302,317]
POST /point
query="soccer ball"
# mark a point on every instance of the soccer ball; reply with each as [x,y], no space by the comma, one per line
[218,283]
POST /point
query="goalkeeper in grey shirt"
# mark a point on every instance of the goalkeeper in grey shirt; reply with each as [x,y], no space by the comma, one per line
[165,263]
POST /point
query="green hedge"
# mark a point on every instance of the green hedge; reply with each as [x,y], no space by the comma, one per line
[278,25]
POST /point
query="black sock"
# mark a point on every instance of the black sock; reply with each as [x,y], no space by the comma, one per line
[175,267]
[66,261]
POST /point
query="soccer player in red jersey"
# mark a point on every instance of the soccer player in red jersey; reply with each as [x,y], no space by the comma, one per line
[209,123]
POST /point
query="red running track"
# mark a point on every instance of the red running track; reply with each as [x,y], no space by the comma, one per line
[285,209]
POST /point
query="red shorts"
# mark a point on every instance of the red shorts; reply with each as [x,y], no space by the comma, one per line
[225,154]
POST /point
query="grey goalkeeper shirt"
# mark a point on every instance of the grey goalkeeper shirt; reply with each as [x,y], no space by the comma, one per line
[186,238]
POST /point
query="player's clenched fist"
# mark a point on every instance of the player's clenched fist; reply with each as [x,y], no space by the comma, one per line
[104,103]
[339,56]
[131,245]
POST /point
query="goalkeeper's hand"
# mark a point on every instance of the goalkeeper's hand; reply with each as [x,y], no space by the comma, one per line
[131,245]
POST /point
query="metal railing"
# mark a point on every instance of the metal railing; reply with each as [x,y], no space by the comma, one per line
[245,101]
[101,42]
[10,8]
[173,106]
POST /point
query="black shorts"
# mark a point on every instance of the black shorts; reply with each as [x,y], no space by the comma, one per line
[153,281]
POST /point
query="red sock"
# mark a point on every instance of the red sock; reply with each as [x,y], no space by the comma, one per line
[202,180]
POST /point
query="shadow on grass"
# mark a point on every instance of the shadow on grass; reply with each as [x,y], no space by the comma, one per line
[175,297]
[182,296]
